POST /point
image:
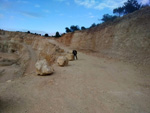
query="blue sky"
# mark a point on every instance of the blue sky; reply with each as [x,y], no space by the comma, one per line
[49,16]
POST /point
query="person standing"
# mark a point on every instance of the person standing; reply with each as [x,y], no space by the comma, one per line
[75,54]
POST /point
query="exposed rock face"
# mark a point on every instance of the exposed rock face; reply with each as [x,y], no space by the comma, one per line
[47,50]
[70,56]
[126,38]
[10,47]
[67,39]
[62,61]
[42,68]
[4,46]
[7,62]
[17,39]
[70,51]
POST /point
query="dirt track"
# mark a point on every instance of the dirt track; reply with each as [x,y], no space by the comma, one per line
[87,85]
[33,58]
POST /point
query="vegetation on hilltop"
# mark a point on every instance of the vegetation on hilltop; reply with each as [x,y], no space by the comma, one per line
[128,7]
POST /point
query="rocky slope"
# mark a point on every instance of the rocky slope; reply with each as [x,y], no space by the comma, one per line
[19,51]
[126,38]
[44,49]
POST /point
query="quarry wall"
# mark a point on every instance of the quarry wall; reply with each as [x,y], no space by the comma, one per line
[126,38]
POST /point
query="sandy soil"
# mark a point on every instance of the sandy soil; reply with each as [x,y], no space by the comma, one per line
[87,85]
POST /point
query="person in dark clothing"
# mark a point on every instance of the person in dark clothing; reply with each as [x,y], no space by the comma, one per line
[75,54]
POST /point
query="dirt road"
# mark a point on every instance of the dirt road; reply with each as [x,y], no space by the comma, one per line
[87,85]
[33,58]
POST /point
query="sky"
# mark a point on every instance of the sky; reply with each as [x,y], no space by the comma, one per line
[49,16]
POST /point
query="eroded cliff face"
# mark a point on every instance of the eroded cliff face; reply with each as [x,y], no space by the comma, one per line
[126,38]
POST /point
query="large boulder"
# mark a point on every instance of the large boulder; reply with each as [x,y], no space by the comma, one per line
[43,68]
[70,56]
[62,61]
